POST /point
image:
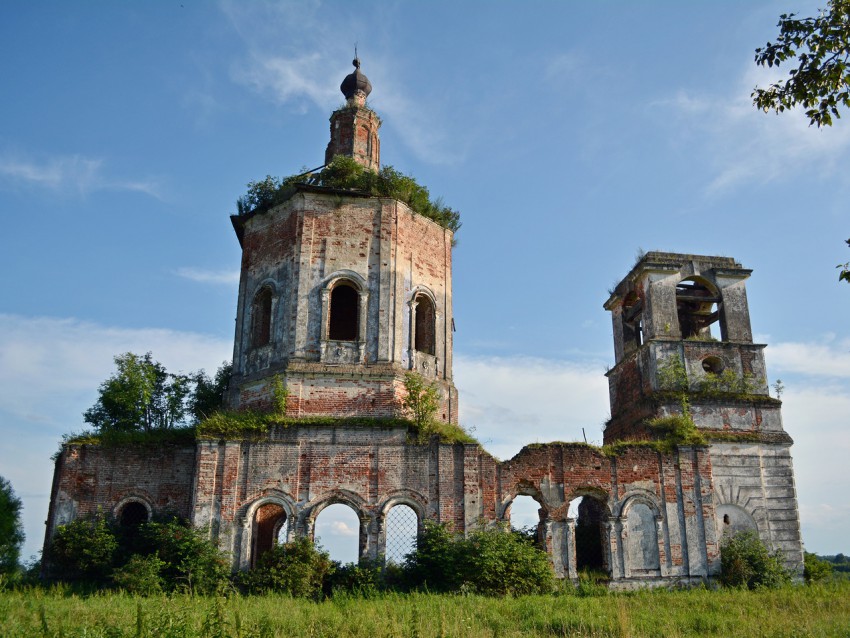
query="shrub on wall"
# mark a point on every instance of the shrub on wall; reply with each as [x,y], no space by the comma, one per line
[345,173]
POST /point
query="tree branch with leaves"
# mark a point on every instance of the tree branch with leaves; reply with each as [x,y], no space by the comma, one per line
[821,81]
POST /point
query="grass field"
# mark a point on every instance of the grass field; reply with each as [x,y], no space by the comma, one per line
[786,613]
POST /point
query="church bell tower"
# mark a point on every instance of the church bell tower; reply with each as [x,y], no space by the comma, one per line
[341,292]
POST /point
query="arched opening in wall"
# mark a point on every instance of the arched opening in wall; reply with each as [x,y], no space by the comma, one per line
[632,321]
[261,312]
[590,534]
[269,519]
[132,515]
[337,531]
[732,519]
[697,305]
[426,325]
[343,322]
[526,516]
[642,545]
[402,530]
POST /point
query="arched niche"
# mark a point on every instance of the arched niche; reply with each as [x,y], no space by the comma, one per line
[640,527]
[732,519]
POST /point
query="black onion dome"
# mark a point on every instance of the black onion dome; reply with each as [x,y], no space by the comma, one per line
[355,82]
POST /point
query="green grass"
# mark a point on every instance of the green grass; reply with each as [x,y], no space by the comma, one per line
[786,613]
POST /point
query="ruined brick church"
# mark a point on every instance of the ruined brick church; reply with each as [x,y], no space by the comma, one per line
[342,293]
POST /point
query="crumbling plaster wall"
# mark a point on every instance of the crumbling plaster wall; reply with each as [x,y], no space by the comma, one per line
[299,249]
[371,469]
[95,480]
[757,479]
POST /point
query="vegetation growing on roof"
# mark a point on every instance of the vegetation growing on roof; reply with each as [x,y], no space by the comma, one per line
[343,173]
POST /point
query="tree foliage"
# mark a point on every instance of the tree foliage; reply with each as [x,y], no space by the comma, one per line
[153,557]
[494,562]
[297,568]
[421,400]
[844,273]
[84,550]
[815,569]
[11,529]
[208,396]
[746,562]
[820,83]
[345,173]
[189,561]
[142,396]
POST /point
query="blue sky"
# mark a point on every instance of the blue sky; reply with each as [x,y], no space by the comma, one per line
[569,135]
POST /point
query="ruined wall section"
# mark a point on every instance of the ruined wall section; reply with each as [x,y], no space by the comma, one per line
[676,488]
[690,312]
[94,480]
[305,469]
[222,486]
[755,490]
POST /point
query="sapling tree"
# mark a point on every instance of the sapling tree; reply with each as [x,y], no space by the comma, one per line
[421,401]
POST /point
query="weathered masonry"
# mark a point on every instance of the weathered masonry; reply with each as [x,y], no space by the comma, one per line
[342,293]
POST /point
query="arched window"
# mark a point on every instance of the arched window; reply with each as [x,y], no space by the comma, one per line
[527,517]
[132,515]
[426,330]
[402,529]
[261,312]
[269,520]
[632,322]
[343,322]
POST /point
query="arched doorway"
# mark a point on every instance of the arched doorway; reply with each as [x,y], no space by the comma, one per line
[591,536]
[337,531]
[268,528]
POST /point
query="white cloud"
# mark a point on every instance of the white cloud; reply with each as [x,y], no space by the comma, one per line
[298,54]
[50,370]
[223,277]
[69,174]
[341,528]
[816,417]
[829,358]
[47,363]
[514,401]
[746,145]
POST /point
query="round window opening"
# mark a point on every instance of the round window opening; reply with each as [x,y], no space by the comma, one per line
[713,365]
